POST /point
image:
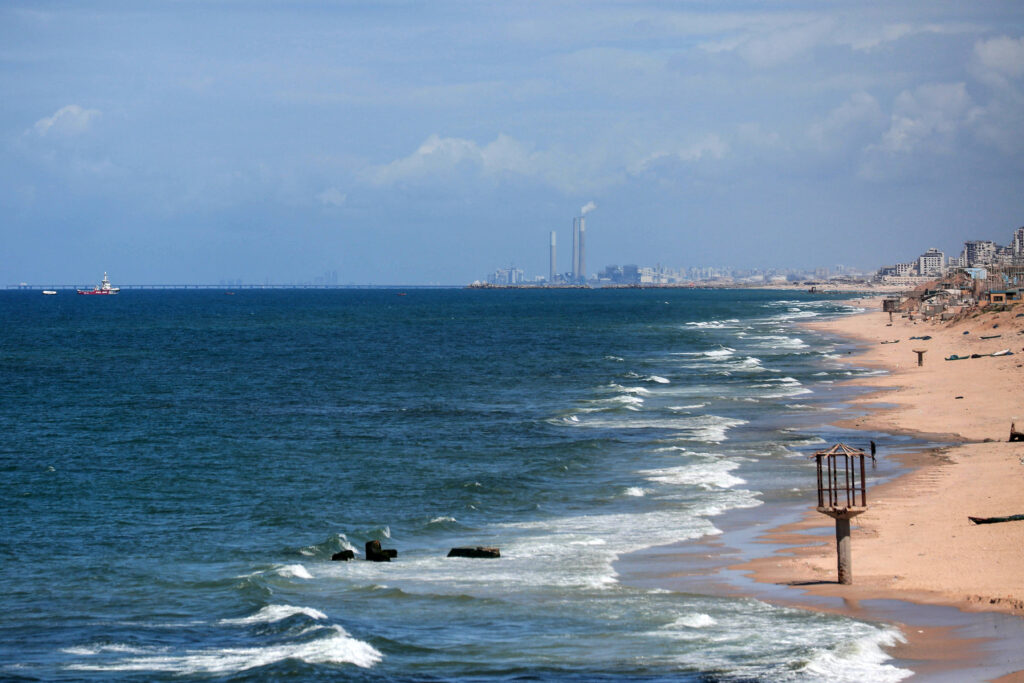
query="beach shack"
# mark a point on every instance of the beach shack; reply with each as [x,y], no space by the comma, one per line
[1001,296]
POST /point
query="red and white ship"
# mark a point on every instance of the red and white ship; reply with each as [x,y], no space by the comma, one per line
[102,288]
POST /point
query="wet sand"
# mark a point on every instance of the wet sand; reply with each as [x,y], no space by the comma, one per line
[955,589]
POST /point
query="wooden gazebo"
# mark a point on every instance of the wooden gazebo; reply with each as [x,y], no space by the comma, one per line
[842,495]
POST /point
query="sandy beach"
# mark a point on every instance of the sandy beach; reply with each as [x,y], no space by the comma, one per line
[918,561]
[915,543]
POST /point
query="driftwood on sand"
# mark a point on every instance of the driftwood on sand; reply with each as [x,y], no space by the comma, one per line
[995,520]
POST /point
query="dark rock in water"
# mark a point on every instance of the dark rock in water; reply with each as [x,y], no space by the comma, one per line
[478,551]
[374,553]
[344,555]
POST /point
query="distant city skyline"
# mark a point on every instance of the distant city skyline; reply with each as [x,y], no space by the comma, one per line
[429,143]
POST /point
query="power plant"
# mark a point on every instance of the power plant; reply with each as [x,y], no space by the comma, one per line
[579,260]
[553,269]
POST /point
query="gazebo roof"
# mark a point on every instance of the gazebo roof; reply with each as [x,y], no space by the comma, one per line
[839,449]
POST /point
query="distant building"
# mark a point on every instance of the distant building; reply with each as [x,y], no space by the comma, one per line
[979,253]
[932,263]
[506,276]
[1018,244]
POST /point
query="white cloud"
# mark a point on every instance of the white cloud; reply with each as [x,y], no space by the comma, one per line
[860,110]
[710,146]
[999,63]
[930,115]
[67,121]
[784,45]
[439,158]
[924,122]
[866,36]
[1002,55]
[332,196]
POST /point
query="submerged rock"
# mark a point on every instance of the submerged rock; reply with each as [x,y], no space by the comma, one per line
[478,551]
[344,555]
[374,553]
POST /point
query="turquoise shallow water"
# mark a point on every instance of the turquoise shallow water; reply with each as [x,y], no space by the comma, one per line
[179,467]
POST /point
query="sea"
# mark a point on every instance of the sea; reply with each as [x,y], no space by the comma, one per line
[177,469]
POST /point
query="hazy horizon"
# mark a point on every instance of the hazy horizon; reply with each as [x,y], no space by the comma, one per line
[408,143]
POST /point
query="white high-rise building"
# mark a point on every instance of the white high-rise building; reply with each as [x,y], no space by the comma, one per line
[1018,243]
[932,263]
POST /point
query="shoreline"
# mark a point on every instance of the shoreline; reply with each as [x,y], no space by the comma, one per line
[966,620]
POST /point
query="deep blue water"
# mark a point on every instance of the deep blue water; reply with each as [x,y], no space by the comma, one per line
[179,467]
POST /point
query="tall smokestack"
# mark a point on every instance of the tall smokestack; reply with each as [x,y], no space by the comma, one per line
[551,269]
[583,252]
[575,249]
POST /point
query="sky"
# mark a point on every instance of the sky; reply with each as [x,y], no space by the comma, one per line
[432,142]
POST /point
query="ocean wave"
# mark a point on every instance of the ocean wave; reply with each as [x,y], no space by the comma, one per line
[796,314]
[112,648]
[626,390]
[333,544]
[271,613]
[693,406]
[707,475]
[779,342]
[698,620]
[706,428]
[713,324]
[859,659]
[795,391]
[443,520]
[336,647]
[293,571]
[723,352]
[656,379]
[635,491]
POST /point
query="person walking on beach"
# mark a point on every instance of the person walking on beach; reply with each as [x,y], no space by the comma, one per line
[872,451]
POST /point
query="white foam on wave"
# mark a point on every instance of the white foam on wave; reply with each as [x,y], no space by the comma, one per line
[293,571]
[271,613]
[617,359]
[780,342]
[108,648]
[706,428]
[698,620]
[859,659]
[797,315]
[719,353]
[694,406]
[627,390]
[445,518]
[799,391]
[708,475]
[713,324]
[635,491]
[336,648]
[657,379]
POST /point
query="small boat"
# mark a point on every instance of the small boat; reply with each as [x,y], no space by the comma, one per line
[894,341]
[102,288]
[49,292]
[956,357]
[1004,352]
[992,336]
[924,338]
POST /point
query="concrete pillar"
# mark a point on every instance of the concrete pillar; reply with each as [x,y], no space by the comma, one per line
[843,552]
